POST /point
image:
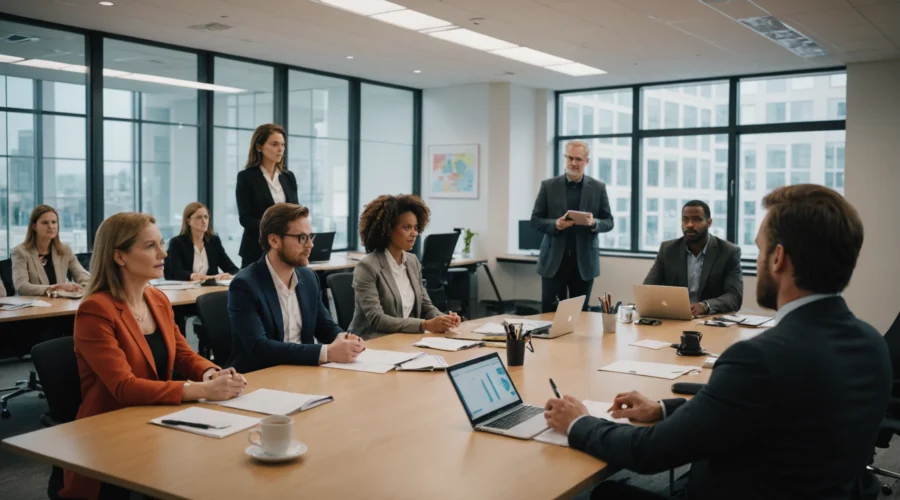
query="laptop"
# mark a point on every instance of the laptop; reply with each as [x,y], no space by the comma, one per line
[663,302]
[321,251]
[491,400]
[568,312]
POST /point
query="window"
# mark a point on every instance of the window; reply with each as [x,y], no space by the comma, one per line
[571,119]
[235,117]
[652,173]
[583,108]
[748,113]
[671,174]
[690,116]
[623,172]
[604,167]
[42,153]
[611,163]
[622,204]
[721,115]
[776,112]
[623,127]
[748,166]
[690,173]
[749,208]
[837,109]
[672,115]
[587,120]
[776,85]
[721,156]
[801,111]
[671,219]
[834,165]
[652,114]
[809,98]
[705,118]
[705,174]
[605,125]
[838,80]
[801,156]
[700,102]
[802,83]
[776,156]
[720,209]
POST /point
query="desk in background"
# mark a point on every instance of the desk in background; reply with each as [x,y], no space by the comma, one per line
[396,435]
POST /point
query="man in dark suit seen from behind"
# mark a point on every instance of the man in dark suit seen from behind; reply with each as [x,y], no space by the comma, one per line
[792,413]
[708,266]
[570,254]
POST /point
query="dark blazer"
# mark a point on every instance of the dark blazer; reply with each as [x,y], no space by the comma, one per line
[551,205]
[790,414]
[378,305]
[180,261]
[258,327]
[721,280]
[253,198]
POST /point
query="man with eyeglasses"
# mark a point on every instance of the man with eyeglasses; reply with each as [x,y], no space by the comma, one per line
[275,305]
[570,256]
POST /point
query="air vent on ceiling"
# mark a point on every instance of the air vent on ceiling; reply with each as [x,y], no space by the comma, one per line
[210,27]
[14,38]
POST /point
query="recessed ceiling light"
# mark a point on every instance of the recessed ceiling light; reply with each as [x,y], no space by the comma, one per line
[417,71]
[349,57]
[364,7]
[576,69]
[472,39]
[531,56]
[106,4]
[411,20]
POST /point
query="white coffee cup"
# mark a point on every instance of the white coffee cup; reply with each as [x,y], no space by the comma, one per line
[274,434]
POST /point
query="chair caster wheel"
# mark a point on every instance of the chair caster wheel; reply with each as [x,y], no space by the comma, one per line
[886,490]
[5,414]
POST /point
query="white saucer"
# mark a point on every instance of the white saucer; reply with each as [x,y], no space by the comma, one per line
[294,450]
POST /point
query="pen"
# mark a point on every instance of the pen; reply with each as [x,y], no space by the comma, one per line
[191,424]
[555,389]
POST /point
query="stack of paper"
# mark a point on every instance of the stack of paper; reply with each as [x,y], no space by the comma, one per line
[658,370]
[375,361]
[651,344]
[273,402]
[427,363]
[229,423]
[14,303]
[445,344]
[175,285]
[597,409]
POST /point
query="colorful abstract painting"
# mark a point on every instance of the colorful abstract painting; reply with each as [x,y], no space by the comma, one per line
[454,171]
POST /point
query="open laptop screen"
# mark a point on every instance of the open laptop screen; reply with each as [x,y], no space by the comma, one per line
[484,387]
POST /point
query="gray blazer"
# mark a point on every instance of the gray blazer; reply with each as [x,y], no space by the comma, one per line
[721,280]
[29,277]
[378,306]
[551,205]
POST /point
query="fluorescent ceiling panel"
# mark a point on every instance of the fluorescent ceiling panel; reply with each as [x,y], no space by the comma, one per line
[175,82]
[114,73]
[364,7]
[411,20]
[576,69]
[9,59]
[472,39]
[61,66]
[531,56]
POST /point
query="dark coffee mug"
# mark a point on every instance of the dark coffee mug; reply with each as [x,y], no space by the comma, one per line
[515,350]
[690,343]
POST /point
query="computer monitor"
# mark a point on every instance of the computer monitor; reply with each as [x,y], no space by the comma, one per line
[529,238]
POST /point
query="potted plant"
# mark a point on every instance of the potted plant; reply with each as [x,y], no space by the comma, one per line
[467,239]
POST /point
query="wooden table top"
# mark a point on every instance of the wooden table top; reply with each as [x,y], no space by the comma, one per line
[348,260]
[65,307]
[394,436]
[517,257]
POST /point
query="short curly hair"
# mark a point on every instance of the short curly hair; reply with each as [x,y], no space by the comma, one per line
[377,221]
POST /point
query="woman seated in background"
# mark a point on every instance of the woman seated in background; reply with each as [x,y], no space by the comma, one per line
[387,283]
[41,263]
[197,253]
[128,348]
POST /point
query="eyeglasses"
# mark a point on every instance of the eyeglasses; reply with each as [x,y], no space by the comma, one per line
[302,238]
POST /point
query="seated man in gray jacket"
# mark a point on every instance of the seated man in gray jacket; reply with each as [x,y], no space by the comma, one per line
[708,266]
[387,283]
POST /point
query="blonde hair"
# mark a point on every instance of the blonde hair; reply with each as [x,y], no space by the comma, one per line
[117,232]
[189,211]
[260,137]
[31,235]
[573,144]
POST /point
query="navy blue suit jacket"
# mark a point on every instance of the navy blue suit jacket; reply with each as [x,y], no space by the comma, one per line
[257,325]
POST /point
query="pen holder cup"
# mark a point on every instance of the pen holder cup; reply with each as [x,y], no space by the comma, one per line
[515,351]
[609,322]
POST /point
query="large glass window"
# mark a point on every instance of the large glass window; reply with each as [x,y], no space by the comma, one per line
[235,117]
[806,99]
[150,131]
[318,111]
[42,133]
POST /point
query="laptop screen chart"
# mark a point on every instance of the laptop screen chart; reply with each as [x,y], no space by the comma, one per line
[484,387]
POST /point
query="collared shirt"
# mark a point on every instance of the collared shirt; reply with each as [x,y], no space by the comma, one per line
[798,303]
[695,271]
[290,309]
[274,185]
[398,271]
[201,261]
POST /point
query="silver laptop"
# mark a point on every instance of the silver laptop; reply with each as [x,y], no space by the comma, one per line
[663,302]
[491,400]
[568,312]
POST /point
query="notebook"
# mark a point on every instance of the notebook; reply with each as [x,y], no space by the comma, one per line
[232,422]
[375,361]
[272,402]
[427,363]
[651,344]
[657,370]
[596,409]
[445,344]
[748,320]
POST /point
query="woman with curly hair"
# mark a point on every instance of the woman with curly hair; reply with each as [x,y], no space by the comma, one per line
[387,283]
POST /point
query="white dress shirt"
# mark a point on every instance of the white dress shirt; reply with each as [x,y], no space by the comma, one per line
[201,261]
[401,278]
[274,186]
[290,310]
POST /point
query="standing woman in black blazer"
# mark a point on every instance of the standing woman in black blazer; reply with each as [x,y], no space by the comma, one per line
[263,183]
[197,253]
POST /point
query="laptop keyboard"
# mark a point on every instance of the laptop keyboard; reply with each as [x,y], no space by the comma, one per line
[515,418]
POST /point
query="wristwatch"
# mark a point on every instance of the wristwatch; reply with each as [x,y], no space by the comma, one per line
[706,305]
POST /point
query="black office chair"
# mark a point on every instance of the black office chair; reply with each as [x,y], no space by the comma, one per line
[890,425]
[436,257]
[6,277]
[212,308]
[84,259]
[341,285]
[57,366]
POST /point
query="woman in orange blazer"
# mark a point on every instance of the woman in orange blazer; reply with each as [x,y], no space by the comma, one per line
[126,341]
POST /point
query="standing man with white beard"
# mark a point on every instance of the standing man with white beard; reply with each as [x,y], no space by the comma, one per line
[570,252]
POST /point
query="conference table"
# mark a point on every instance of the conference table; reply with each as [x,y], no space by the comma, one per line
[397,435]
